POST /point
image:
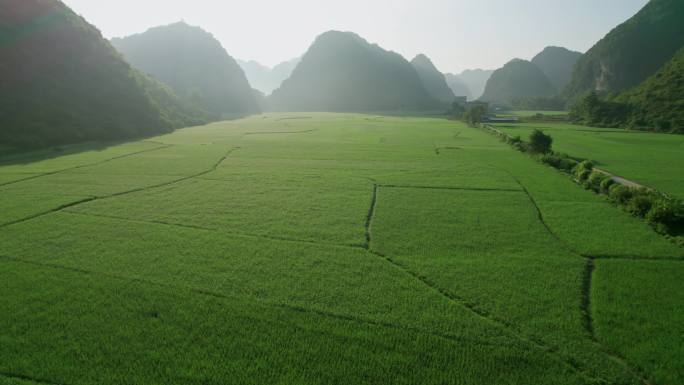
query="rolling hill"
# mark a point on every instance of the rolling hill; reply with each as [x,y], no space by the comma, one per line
[342,72]
[194,64]
[433,80]
[631,52]
[61,82]
[517,79]
[557,63]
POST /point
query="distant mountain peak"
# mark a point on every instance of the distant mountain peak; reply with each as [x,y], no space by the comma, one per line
[433,80]
[517,79]
[267,79]
[92,94]
[470,82]
[421,60]
[458,86]
[556,48]
[515,61]
[557,63]
[337,36]
[341,71]
[194,64]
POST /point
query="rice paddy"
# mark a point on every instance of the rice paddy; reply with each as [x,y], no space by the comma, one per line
[325,249]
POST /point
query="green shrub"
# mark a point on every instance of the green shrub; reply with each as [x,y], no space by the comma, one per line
[552,160]
[679,240]
[513,140]
[475,114]
[540,143]
[640,204]
[594,181]
[559,161]
[520,146]
[606,184]
[620,194]
[568,164]
[666,214]
[583,176]
[583,168]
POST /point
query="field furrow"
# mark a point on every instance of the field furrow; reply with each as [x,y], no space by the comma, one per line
[20,379]
[296,345]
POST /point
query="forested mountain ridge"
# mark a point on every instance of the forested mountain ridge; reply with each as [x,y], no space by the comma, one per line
[341,72]
[62,82]
[557,63]
[433,80]
[659,101]
[194,64]
[517,79]
[631,52]
[656,105]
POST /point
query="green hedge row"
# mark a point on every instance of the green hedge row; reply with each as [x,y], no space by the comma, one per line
[663,213]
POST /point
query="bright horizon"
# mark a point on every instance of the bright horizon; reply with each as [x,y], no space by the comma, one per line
[456,35]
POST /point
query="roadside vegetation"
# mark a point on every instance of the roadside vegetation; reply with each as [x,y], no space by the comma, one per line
[664,213]
[649,159]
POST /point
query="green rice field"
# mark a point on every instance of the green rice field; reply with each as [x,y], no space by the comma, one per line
[650,159]
[318,248]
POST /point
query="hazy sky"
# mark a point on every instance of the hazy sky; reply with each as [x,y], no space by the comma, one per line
[455,34]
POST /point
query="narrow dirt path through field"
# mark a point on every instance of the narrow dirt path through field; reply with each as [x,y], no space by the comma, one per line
[621,180]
